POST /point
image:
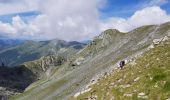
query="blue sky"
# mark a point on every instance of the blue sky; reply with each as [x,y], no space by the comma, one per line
[119,8]
[26,16]
[126,8]
[116,8]
[77,19]
[166,7]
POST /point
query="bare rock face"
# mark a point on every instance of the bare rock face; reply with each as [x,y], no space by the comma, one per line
[6,93]
[39,67]
[158,41]
[78,61]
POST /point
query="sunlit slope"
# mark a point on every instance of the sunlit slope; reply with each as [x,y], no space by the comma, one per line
[145,79]
[96,59]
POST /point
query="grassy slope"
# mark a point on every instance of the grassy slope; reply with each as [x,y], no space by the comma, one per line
[39,94]
[150,75]
[98,56]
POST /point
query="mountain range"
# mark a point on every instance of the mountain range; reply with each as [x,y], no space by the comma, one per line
[17,54]
[6,43]
[72,71]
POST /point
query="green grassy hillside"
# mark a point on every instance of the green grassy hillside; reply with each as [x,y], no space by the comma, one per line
[6,43]
[92,62]
[148,78]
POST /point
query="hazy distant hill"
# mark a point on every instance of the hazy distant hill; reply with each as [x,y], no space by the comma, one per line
[32,50]
[7,43]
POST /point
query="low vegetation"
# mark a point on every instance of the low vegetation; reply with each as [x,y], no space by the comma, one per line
[146,78]
[138,80]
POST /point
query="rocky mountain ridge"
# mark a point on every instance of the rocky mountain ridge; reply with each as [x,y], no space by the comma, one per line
[146,77]
[94,61]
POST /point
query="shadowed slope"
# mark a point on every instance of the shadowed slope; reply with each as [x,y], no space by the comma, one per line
[14,80]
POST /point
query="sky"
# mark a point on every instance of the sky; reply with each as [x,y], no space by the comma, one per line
[77,19]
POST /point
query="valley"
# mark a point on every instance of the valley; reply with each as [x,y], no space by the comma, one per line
[96,60]
[84,49]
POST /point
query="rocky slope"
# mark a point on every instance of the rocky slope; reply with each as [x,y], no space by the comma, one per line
[15,79]
[146,78]
[97,59]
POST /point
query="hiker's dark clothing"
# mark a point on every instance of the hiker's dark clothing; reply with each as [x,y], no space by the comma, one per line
[122,63]
[3,64]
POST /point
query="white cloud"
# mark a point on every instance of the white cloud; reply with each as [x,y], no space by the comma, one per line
[6,28]
[19,29]
[146,16]
[18,6]
[77,20]
[149,15]
[115,23]
[156,2]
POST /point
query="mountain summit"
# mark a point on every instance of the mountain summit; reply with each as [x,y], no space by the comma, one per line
[95,61]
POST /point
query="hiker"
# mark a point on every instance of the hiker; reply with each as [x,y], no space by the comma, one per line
[3,65]
[122,63]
